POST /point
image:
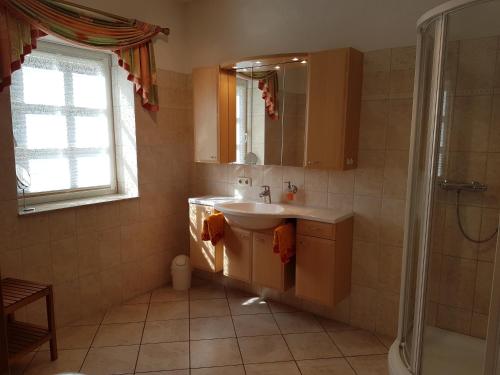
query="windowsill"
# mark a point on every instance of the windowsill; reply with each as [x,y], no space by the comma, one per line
[60,205]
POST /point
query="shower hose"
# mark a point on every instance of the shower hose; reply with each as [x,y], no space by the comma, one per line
[463,230]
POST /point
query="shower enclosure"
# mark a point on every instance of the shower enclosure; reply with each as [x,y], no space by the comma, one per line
[450,296]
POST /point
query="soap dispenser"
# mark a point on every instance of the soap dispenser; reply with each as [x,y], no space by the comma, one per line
[291,191]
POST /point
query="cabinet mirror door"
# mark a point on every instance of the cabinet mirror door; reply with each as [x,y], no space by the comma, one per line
[270,112]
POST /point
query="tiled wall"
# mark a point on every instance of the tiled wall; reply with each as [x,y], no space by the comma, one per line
[461,271]
[99,255]
[375,191]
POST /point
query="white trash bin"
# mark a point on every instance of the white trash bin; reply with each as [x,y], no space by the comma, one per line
[181,272]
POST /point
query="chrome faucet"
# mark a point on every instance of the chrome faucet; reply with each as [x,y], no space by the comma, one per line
[266,194]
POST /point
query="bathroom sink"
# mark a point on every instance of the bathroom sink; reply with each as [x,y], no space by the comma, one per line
[252,215]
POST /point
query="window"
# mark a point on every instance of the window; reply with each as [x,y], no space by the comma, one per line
[63,123]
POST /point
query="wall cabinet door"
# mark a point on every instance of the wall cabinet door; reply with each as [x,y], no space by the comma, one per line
[238,253]
[214,115]
[333,109]
[203,254]
[314,269]
[205,110]
[267,267]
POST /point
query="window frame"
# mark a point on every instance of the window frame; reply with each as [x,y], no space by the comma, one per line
[56,48]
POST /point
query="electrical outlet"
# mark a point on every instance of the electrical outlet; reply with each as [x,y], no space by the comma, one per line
[244,181]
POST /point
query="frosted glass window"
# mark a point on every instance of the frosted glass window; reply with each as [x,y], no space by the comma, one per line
[89,91]
[46,131]
[43,86]
[62,120]
[49,175]
[90,172]
[91,131]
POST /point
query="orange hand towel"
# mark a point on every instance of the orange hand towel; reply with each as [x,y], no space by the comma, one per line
[213,228]
[284,241]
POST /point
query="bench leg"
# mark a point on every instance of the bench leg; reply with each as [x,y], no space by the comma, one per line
[51,324]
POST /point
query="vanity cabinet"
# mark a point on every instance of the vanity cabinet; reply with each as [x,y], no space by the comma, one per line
[214,115]
[323,261]
[238,253]
[268,271]
[203,254]
[333,109]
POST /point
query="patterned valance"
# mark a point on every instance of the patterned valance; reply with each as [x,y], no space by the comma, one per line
[23,21]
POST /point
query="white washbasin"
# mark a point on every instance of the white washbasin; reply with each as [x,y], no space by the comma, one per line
[252,215]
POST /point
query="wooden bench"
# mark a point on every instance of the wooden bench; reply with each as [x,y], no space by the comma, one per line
[23,338]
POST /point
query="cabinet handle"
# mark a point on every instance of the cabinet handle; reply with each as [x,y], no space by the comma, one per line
[312,162]
[349,161]
[212,157]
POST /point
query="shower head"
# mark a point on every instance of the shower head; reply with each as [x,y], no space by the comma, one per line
[472,186]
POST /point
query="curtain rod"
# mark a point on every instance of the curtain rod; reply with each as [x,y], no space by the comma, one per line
[164,30]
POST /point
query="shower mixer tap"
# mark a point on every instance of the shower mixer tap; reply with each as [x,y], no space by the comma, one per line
[472,186]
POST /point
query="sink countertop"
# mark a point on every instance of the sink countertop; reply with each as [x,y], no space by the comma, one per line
[291,211]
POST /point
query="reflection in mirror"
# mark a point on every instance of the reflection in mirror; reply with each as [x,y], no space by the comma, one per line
[270,113]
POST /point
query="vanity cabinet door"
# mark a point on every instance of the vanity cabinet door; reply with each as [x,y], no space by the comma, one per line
[267,270]
[203,254]
[214,115]
[314,269]
[238,254]
[333,109]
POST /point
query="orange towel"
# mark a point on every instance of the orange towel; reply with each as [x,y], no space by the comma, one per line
[284,241]
[213,228]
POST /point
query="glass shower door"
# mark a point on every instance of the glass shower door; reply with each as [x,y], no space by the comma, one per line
[417,232]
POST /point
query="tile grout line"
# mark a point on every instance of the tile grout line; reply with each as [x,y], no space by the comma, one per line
[143,329]
[286,343]
[92,342]
[235,333]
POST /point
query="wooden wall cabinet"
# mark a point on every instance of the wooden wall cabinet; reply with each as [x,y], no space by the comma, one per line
[324,261]
[214,115]
[333,109]
[268,271]
[238,253]
[203,254]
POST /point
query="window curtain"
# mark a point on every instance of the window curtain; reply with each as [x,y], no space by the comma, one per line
[269,85]
[23,21]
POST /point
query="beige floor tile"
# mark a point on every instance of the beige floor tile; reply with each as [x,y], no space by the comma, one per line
[78,337]
[225,370]
[143,298]
[208,308]
[171,372]
[111,360]
[333,366]
[211,328]
[261,349]
[386,340]
[94,319]
[370,365]
[333,325]
[126,314]
[168,294]
[19,366]
[68,361]
[166,331]
[278,368]
[297,322]
[251,305]
[277,307]
[168,310]
[163,356]
[357,343]
[311,346]
[210,291]
[218,352]
[255,325]
[119,334]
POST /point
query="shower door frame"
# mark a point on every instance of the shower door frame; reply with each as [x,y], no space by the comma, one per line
[414,362]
